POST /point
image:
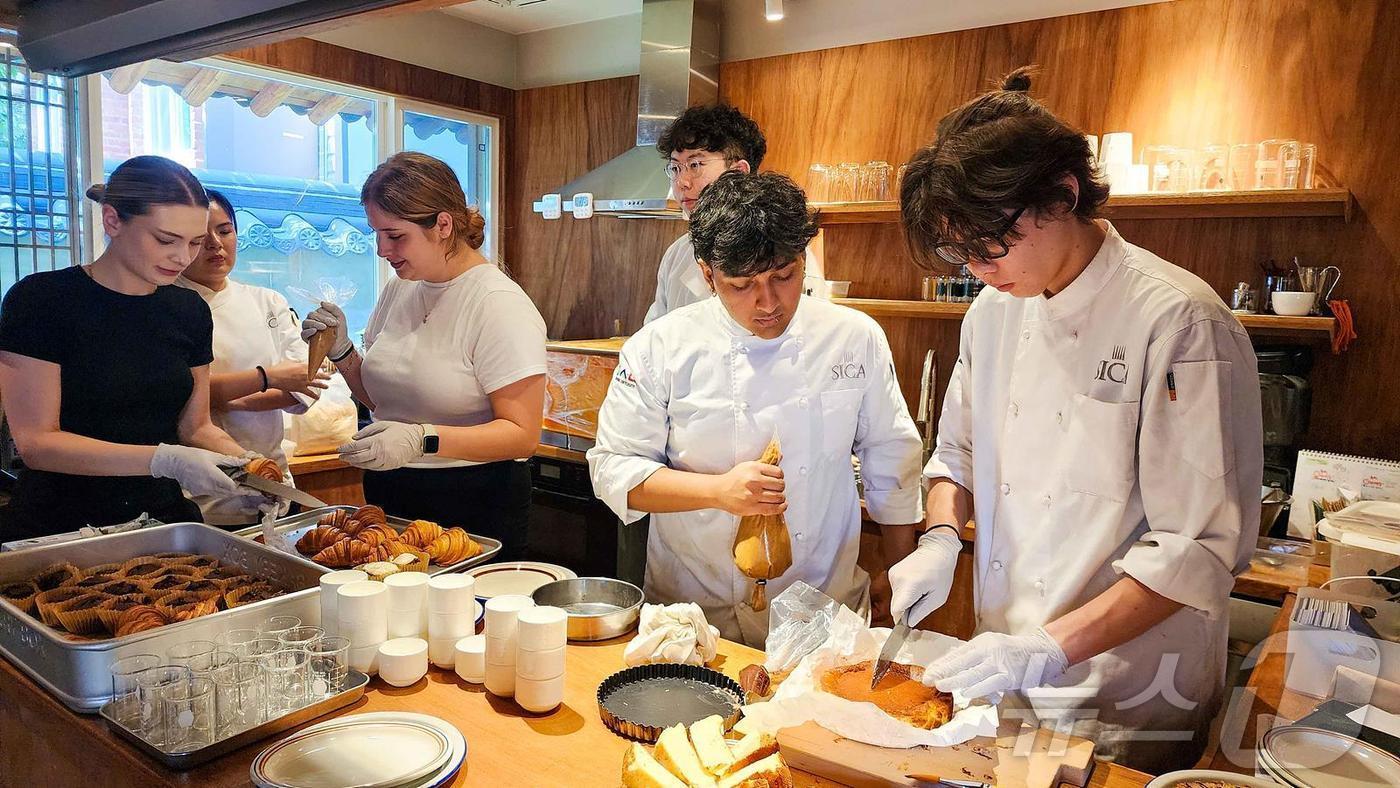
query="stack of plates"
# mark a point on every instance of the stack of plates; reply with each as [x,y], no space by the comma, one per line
[379,750]
[1304,757]
[516,577]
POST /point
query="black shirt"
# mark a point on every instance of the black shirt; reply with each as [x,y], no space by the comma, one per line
[125,369]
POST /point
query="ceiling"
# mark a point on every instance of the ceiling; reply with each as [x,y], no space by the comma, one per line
[528,16]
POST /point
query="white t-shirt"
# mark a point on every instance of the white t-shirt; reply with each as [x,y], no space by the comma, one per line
[253,326]
[435,351]
[679,281]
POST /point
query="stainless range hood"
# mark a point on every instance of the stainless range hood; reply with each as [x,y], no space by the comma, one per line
[679,68]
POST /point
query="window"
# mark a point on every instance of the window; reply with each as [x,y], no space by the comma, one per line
[38,174]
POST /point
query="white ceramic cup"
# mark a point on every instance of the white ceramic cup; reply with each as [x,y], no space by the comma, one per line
[365,600]
[501,613]
[330,587]
[500,651]
[539,665]
[542,628]
[1292,303]
[443,652]
[363,633]
[407,590]
[471,659]
[452,594]
[537,696]
[500,680]
[403,661]
[365,658]
[450,625]
[408,623]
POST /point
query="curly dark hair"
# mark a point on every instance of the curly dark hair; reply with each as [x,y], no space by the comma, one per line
[717,128]
[748,223]
[998,153]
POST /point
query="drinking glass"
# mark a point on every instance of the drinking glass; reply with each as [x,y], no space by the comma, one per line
[1277,165]
[151,685]
[261,647]
[182,653]
[301,637]
[287,681]
[1241,173]
[275,626]
[203,665]
[874,182]
[818,183]
[239,692]
[330,664]
[847,177]
[237,640]
[1307,165]
[188,715]
[126,708]
[1168,168]
[1214,166]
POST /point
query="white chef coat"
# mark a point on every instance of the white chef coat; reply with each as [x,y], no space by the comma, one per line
[435,351]
[679,281]
[253,326]
[1084,467]
[697,392]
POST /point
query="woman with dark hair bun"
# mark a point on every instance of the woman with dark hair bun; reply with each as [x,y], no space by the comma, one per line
[104,368]
[259,368]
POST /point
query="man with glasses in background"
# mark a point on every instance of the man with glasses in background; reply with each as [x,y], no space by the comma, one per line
[699,146]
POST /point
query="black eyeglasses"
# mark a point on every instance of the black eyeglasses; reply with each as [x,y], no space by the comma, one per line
[991,247]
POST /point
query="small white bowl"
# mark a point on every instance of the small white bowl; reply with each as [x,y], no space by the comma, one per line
[539,665]
[500,651]
[408,624]
[500,680]
[1293,303]
[403,661]
[443,652]
[450,625]
[407,590]
[502,612]
[363,633]
[542,628]
[365,659]
[471,659]
[452,594]
[363,600]
[539,696]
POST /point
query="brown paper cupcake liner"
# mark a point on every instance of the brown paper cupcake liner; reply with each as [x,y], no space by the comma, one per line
[20,594]
[52,577]
[115,608]
[141,566]
[123,587]
[175,558]
[89,583]
[47,601]
[182,606]
[207,589]
[79,614]
[102,570]
[247,595]
[166,584]
[205,562]
[225,572]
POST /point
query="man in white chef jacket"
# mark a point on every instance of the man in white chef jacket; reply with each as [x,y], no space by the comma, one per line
[1102,427]
[701,144]
[698,395]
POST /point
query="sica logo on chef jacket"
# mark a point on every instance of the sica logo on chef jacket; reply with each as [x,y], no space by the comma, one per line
[624,377]
[1116,369]
[850,368]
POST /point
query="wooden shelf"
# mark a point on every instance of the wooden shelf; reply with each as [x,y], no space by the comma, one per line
[1331,202]
[1311,328]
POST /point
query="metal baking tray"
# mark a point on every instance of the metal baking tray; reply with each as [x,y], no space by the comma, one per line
[78,672]
[355,682]
[293,527]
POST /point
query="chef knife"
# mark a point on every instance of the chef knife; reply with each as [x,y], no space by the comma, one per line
[898,635]
[277,489]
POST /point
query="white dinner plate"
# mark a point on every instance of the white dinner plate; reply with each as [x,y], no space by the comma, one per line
[352,752]
[1326,759]
[442,773]
[1173,779]
[516,577]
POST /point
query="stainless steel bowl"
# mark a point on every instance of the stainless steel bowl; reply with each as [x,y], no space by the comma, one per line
[599,607]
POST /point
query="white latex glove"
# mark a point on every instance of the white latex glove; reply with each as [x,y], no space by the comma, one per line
[993,663]
[324,317]
[384,446]
[927,572]
[199,471]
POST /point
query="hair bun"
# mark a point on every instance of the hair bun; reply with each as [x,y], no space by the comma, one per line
[1018,81]
[476,228]
[96,192]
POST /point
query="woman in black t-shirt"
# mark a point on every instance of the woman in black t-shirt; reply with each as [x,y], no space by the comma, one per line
[104,368]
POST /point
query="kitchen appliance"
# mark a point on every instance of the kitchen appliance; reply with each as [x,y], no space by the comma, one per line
[571,527]
[1285,400]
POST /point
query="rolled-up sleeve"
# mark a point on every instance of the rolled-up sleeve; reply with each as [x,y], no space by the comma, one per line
[952,454]
[888,445]
[1200,465]
[632,432]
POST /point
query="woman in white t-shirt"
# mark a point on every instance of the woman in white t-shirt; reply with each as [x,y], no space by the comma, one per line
[259,368]
[453,366]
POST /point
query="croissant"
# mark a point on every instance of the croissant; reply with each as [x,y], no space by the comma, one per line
[352,527]
[421,533]
[337,519]
[342,554]
[319,538]
[377,534]
[139,619]
[268,469]
[452,547]
[369,515]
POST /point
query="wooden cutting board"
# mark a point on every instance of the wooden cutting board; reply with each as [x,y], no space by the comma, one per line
[1043,761]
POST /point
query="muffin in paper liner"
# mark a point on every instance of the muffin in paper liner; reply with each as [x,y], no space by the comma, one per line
[46,601]
[206,588]
[204,562]
[183,605]
[166,584]
[53,576]
[103,570]
[20,594]
[123,587]
[247,595]
[90,583]
[139,619]
[111,613]
[412,561]
[79,614]
[141,566]
[175,558]
[225,572]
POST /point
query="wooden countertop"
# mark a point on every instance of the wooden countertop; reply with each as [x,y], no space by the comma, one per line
[611,346]
[45,743]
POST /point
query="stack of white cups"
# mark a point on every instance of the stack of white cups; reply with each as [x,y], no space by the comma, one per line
[451,616]
[330,587]
[501,641]
[541,634]
[408,604]
[363,615]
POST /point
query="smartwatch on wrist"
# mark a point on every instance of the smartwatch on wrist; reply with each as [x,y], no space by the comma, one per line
[430,439]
